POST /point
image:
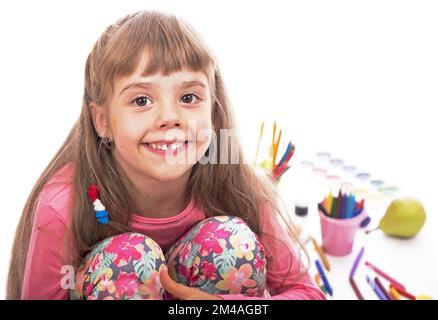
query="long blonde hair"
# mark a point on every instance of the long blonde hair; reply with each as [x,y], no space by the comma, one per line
[217,188]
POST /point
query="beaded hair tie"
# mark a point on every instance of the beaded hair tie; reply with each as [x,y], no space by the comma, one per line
[101,213]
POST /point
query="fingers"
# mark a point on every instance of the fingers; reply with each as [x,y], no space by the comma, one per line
[176,289]
[181,291]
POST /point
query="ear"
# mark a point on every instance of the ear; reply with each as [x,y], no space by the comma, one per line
[99,120]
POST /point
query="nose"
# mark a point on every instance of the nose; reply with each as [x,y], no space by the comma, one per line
[168,117]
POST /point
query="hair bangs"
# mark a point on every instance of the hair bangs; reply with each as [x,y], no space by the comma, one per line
[170,46]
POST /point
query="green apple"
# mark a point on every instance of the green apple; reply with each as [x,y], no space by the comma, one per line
[404,218]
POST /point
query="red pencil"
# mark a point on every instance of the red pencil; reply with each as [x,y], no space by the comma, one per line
[404,293]
[356,289]
[394,282]
[279,170]
[360,204]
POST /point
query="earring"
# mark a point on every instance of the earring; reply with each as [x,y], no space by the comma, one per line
[101,213]
[107,142]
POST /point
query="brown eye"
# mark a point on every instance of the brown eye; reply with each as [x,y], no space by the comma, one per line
[140,101]
[188,98]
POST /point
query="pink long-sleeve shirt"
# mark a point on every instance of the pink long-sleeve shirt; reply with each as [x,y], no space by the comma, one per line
[43,276]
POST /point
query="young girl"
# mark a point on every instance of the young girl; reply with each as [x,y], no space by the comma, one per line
[131,223]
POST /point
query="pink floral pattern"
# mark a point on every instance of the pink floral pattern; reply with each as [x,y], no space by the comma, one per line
[126,248]
[209,238]
[219,255]
[234,280]
[114,269]
[224,256]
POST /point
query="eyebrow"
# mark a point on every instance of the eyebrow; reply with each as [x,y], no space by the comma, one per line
[184,84]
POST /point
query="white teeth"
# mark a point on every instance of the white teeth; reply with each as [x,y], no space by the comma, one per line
[165,147]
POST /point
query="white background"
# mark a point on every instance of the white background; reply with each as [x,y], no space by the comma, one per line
[356,78]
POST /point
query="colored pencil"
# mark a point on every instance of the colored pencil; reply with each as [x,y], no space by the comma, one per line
[394,293]
[351,204]
[283,172]
[289,156]
[334,206]
[322,208]
[358,212]
[324,278]
[324,203]
[329,203]
[318,283]
[279,170]
[291,153]
[356,289]
[356,262]
[346,206]
[358,208]
[277,145]
[338,205]
[273,143]
[286,154]
[404,293]
[321,254]
[360,204]
[394,282]
[317,278]
[376,289]
[343,206]
[382,288]
[342,211]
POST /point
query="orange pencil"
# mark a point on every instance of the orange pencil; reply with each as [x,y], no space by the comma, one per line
[276,146]
[325,203]
[273,143]
[394,293]
[321,254]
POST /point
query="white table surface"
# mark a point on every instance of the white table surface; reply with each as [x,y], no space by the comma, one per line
[410,261]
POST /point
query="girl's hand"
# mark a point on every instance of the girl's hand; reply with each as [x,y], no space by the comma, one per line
[181,291]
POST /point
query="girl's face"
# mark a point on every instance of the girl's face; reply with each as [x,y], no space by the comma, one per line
[160,125]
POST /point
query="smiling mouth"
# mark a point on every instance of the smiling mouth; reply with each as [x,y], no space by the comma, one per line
[166,146]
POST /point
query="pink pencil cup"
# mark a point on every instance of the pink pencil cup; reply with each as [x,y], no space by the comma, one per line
[338,234]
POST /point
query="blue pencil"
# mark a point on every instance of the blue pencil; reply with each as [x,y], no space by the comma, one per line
[358,212]
[346,200]
[351,205]
[288,149]
[344,206]
[376,289]
[347,205]
[324,278]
